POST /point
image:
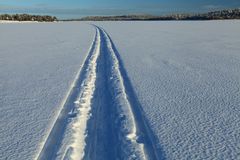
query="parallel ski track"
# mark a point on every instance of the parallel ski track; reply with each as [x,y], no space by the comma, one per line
[53,140]
[141,134]
[102,73]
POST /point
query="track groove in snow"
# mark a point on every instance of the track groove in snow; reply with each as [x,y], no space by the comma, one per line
[102,112]
[52,143]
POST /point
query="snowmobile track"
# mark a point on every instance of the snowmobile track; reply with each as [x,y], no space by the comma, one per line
[107,121]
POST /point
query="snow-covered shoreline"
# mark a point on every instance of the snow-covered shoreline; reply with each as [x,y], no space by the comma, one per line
[7,21]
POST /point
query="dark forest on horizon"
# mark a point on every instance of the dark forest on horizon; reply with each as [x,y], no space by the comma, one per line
[214,15]
[28,17]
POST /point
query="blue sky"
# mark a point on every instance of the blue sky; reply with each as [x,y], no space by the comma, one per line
[79,8]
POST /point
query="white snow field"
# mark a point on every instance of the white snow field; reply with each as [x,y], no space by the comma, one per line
[120,90]
[186,76]
[38,63]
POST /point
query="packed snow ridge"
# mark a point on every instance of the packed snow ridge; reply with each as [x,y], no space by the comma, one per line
[100,117]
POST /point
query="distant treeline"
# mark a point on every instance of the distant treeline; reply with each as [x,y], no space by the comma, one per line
[216,15]
[27,17]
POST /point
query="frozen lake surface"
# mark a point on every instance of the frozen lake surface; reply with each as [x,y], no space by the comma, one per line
[187,78]
[38,63]
[128,90]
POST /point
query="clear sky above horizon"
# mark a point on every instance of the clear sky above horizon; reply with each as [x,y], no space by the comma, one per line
[80,8]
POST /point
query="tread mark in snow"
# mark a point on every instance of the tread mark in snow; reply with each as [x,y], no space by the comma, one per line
[107,120]
[56,134]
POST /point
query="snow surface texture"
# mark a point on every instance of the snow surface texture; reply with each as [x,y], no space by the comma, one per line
[186,76]
[38,63]
[145,90]
[100,118]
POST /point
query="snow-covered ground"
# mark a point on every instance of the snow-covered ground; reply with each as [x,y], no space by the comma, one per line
[187,78]
[137,90]
[6,21]
[38,62]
